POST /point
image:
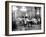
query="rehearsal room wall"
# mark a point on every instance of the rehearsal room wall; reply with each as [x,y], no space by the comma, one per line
[2,18]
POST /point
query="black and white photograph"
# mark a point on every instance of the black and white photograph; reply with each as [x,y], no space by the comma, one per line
[26,18]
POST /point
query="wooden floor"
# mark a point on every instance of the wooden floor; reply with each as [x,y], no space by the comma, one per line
[34,27]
